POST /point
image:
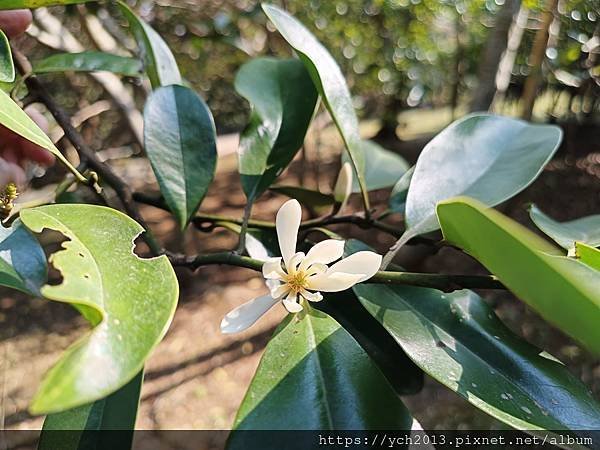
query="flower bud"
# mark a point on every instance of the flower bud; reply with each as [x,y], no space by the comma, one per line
[343,185]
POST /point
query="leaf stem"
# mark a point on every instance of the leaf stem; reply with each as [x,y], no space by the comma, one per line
[244,229]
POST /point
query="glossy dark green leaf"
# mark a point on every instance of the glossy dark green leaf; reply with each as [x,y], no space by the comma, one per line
[89,62]
[129,301]
[400,371]
[565,234]
[458,340]
[31,4]
[490,158]
[7,67]
[562,290]
[84,428]
[383,168]
[283,100]
[329,81]
[315,376]
[588,255]
[314,200]
[159,62]
[22,260]
[180,142]
[397,201]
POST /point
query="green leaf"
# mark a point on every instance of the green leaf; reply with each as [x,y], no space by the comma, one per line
[7,67]
[22,260]
[32,4]
[283,99]
[565,234]
[563,290]
[588,255]
[130,301]
[180,141]
[459,341]
[315,200]
[315,376]
[84,427]
[397,201]
[17,120]
[330,82]
[402,374]
[159,62]
[89,62]
[490,158]
[383,168]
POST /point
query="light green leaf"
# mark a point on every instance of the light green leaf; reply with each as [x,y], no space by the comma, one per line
[7,67]
[459,341]
[130,301]
[397,201]
[588,255]
[89,62]
[383,168]
[22,260]
[490,158]
[330,83]
[584,229]
[315,200]
[159,62]
[180,141]
[315,376]
[32,4]
[563,290]
[17,120]
[82,428]
[283,99]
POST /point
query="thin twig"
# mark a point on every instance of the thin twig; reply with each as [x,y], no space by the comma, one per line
[89,158]
[445,283]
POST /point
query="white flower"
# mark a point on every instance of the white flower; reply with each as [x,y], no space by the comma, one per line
[297,277]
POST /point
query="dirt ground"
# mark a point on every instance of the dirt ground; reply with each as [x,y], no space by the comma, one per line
[197,377]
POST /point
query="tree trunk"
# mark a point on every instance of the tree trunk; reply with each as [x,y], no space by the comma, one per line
[495,46]
[536,58]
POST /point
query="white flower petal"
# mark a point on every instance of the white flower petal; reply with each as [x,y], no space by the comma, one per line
[365,263]
[324,252]
[316,269]
[294,262]
[333,282]
[279,291]
[311,296]
[287,223]
[246,315]
[291,304]
[271,269]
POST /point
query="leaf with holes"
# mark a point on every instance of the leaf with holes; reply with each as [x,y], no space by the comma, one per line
[315,376]
[459,341]
[330,83]
[283,100]
[22,260]
[159,62]
[129,301]
[7,67]
[87,424]
[563,290]
[490,158]
[565,234]
[89,62]
[180,141]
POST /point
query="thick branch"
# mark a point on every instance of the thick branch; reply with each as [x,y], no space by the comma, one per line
[445,283]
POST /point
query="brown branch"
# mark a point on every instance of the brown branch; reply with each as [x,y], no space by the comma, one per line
[86,155]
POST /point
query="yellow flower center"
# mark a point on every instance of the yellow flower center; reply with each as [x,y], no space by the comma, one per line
[297,282]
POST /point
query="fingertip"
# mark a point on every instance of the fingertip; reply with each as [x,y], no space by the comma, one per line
[15,22]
